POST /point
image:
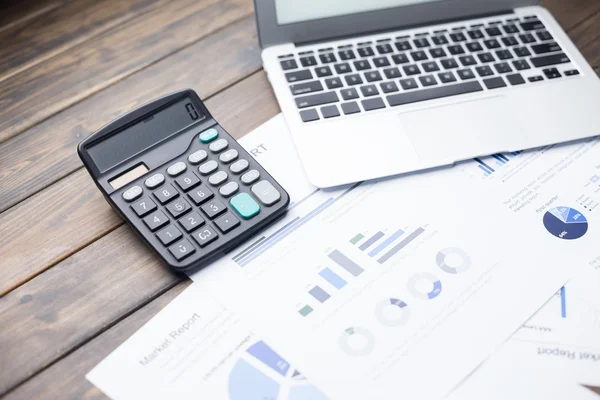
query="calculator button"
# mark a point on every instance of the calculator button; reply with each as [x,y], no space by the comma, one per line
[178,208]
[205,236]
[182,249]
[154,181]
[250,177]
[218,146]
[227,222]
[229,189]
[176,168]
[218,178]
[239,166]
[208,135]
[197,157]
[213,208]
[266,193]
[156,220]
[200,194]
[191,221]
[244,205]
[229,156]
[208,167]
[166,194]
[132,193]
[143,206]
[187,181]
[169,235]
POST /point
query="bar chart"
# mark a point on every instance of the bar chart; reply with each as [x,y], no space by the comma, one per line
[384,246]
[489,165]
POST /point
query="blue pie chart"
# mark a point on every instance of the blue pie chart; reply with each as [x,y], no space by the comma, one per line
[565,223]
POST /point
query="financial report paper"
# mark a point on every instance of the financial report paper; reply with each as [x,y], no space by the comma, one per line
[385,287]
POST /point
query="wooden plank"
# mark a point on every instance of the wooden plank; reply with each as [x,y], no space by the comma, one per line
[20,12]
[40,92]
[588,34]
[66,378]
[569,13]
[46,153]
[73,209]
[62,28]
[70,303]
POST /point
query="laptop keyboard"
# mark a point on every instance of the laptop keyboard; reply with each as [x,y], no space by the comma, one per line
[330,82]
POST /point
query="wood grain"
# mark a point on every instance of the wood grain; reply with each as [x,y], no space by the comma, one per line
[74,300]
[62,28]
[15,13]
[66,378]
[588,33]
[46,153]
[569,13]
[74,211]
[40,92]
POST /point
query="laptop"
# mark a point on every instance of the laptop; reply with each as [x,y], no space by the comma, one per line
[382,87]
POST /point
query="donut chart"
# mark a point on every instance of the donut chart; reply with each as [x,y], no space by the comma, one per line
[435,282]
[565,223]
[392,312]
[453,260]
[356,341]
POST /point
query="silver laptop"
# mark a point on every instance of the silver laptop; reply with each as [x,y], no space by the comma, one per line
[382,87]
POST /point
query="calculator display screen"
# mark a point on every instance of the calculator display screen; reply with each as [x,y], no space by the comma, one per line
[140,136]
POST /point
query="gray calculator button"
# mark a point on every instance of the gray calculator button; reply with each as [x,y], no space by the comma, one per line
[132,193]
[250,177]
[218,178]
[166,194]
[191,221]
[187,181]
[169,235]
[205,236]
[178,207]
[213,208]
[229,188]
[218,145]
[227,222]
[239,166]
[229,156]
[266,193]
[156,220]
[197,157]
[208,167]
[200,194]
[154,181]
[176,168]
[182,249]
[143,206]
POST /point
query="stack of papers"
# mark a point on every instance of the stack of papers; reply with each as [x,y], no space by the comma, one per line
[422,287]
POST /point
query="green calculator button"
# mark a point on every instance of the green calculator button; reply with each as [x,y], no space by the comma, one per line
[208,135]
[245,205]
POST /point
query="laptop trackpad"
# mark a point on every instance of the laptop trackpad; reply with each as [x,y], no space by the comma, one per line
[458,131]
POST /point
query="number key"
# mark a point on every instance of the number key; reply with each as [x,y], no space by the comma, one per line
[178,207]
[227,222]
[200,194]
[205,236]
[166,194]
[191,221]
[143,206]
[169,235]
[187,181]
[213,208]
[156,220]
[182,249]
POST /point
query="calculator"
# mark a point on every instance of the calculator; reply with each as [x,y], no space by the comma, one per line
[184,185]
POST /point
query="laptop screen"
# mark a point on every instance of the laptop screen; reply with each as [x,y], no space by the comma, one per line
[291,11]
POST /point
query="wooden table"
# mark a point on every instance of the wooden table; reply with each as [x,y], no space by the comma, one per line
[74,281]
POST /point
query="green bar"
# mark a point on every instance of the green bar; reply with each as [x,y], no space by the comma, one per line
[304,311]
[357,238]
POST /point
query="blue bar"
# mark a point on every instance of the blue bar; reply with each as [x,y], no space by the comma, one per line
[502,156]
[401,245]
[484,170]
[336,281]
[319,294]
[490,169]
[499,159]
[371,240]
[563,303]
[386,243]
[264,353]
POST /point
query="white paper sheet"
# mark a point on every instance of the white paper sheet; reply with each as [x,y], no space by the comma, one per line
[460,274]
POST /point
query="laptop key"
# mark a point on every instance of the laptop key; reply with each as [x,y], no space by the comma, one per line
[307,87]
[493,31]
[346,55]
[419,55]
[433,93]
[316,99]
[475,34]
[515,79]
[553,59]
[510,29]
[308,61]
[288,64]
[503,68]
[551,73]
[353,79]
[323,71]
[400,59]
[373,104]
[572,72]
[504,54]
[458,37]
[467,60]
[372,76]
[421,42]
[430,66]
[456,49]
[532,25]
[388,87]
[527,38]
[439,40]
[365,52]
[428,80]
[296,76]
[465,74]
[309,115]
[521,51]
[384,48]
[361,65]
[494,83]
[403,46]
[510,41]
[369,90]
[484,71]
[349,94]
[350,108]
[333,83]
[330,111]
[544,35]
[474,47]
[411,69]
[381,61]
[492,44]
[544,48]
[408,84]
[327,58]
[521,65]
[449,63]
[437,53]
[343,68]
[447,77]
[486,57]
[392,73]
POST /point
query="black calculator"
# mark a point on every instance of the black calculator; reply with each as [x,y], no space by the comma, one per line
[184,185]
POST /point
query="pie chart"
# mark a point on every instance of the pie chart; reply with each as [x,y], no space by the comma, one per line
[565,223]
